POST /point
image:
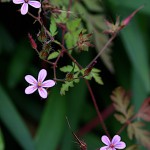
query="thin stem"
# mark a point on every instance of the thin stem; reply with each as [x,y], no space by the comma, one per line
[126,123]
[102,50]
[94,122]
[97,109]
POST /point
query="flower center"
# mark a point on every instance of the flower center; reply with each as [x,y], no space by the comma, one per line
[39,84]
[26,1]
[111,146]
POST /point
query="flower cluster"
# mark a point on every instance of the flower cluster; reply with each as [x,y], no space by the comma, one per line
[39,84]
[114,144]
[25,3]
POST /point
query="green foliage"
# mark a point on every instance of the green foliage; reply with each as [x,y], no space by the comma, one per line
[53,55]
[53,27]
[51,127]
[13,121]
[69,68]
[72,25]
[94,73]
[65,86]
[2,145]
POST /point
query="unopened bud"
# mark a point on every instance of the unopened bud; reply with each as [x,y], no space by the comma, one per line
[69,76]
[42,37]
[87,71]
[32,42]
[127,20]
[43,54]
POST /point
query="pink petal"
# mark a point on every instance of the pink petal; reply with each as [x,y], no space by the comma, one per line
[120,145]
[42,75]
[105,140]
[30,79]
[115,139]
[48,83]
[30,89]
[104,148]
[18,1]
[24,8]
[34,4]
[42,92]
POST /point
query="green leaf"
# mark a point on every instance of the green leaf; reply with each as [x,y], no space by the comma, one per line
[93,74]
[53,55]
[53,27]
[69,68]
[51,128]
[73,24]
[13,122]
[19,63]
[2,146]
[65,87]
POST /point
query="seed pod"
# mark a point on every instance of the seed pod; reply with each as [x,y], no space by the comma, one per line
[69,76]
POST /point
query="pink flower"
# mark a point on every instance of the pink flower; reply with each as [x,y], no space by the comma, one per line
[25,3]
[114,144]
[39,84]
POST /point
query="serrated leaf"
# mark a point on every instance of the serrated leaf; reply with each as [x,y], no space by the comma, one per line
[1,141]
[73,24]
[93,74]
[144,112]
[65,87]
[137,130]
[97,78]
[53,55]
[53,27]
[120,118]
[121,102]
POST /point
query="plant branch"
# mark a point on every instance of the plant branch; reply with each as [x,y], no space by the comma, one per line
[102,50]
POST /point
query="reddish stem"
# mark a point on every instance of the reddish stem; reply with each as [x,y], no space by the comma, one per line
[94,122]
[97,109]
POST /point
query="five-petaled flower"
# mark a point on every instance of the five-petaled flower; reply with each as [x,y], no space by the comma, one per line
[39,84]
[114,144]
[25,3]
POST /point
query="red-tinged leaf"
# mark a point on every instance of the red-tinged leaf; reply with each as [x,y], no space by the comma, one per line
[144,112]
[121,102]
[136,130]
[120,118]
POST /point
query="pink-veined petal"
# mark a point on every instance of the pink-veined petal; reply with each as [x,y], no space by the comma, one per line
[42,75]
[30,89]
[105,140]
[30,79]
[48,83]
[104,148]
[18,1]
[42,92]
[116,139]
[24,8]
[120,145]
[34,4]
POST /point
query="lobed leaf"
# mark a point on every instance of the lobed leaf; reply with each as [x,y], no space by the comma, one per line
[93,74]
[136,130]
[144,112]
[53,27]
[121,102]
